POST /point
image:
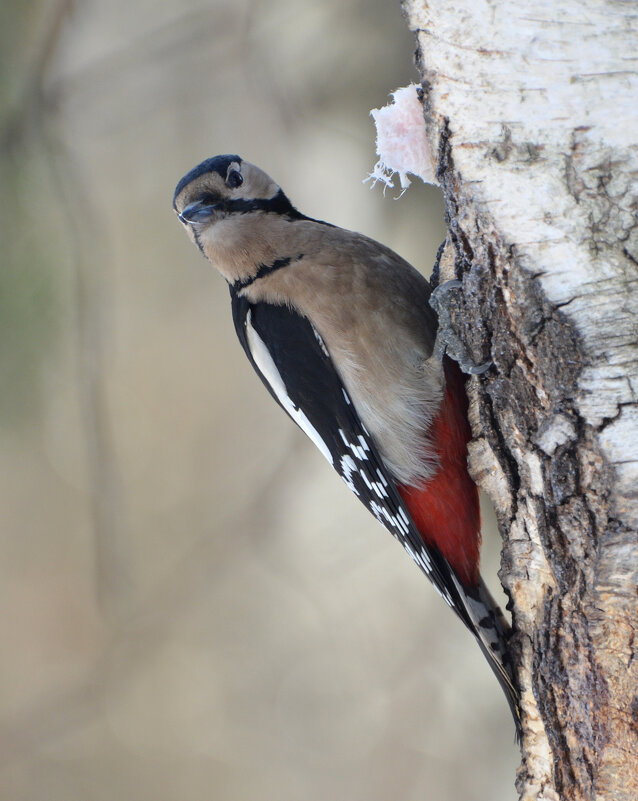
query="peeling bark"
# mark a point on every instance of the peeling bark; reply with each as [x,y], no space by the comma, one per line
[533,113]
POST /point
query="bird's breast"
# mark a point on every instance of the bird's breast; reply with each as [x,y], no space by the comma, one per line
[375,321]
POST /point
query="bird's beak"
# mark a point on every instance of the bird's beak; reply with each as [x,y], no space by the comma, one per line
[198,212]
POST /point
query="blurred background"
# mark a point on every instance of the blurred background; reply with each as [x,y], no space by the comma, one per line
[193,604]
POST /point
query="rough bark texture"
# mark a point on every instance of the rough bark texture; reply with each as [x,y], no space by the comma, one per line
[532,111]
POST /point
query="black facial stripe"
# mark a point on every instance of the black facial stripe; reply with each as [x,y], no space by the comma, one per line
[264,269]
[279,204]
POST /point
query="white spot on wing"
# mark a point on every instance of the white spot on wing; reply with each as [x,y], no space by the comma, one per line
[402,526]
[358,451]
[382,478]
[363,443]
[366,480]
[268,369]
[348,467]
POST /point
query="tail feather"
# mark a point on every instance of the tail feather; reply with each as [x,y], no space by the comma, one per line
[492,632]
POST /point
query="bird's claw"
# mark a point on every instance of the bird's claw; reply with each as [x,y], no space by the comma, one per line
[448,341]
[476,369]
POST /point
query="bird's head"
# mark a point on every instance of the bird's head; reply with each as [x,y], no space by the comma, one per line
[225,188]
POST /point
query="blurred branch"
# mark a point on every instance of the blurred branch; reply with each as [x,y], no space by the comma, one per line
[192,30]
[91,308]
[35,113]
[32,103]
[186,37]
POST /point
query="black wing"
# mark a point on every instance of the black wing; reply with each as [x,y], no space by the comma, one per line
[294,364]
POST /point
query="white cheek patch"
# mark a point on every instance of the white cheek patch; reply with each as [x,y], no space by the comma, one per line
[268,369]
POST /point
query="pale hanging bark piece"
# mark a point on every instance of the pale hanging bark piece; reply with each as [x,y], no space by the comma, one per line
[402,143]
[532,112]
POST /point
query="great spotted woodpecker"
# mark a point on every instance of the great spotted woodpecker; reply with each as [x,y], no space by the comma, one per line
[339,329]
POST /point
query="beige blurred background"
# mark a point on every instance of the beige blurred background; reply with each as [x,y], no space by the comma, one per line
[193,605]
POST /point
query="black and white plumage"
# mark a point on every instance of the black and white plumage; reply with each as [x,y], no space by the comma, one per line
[293,364]
[339,329]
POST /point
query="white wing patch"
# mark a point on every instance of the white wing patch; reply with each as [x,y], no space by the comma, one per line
[268,369]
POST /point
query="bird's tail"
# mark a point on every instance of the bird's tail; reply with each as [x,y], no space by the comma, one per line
[492,632]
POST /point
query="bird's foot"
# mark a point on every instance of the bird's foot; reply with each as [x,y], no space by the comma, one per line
[448,341]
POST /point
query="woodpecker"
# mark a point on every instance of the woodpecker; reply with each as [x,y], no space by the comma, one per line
[340,331]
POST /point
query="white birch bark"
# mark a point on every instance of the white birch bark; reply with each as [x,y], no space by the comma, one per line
[532,109]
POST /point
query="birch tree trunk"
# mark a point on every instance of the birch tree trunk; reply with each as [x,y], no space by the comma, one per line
[532,109]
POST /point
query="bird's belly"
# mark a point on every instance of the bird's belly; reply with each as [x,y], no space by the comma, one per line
[397,408]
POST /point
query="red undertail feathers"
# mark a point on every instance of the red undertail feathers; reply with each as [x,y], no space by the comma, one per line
[446,508]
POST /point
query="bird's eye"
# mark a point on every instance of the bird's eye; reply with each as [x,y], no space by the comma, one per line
[234,179]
